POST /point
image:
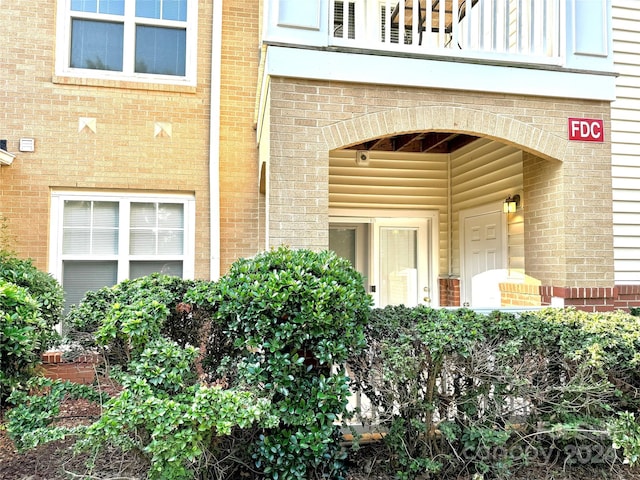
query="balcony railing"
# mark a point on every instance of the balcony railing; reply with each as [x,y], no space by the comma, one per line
[524,29]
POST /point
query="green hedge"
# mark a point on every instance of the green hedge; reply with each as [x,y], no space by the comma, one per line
[458,391]
[164,415]
[30,307]
[121,319]
[454,392]
[281,320]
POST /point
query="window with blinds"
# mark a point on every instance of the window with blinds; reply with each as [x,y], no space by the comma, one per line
[102,241]
[129,39]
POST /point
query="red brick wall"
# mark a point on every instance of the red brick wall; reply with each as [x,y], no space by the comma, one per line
[596,299]
[628,296]
[449,292]
[81,370]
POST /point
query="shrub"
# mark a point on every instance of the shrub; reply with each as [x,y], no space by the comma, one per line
[23,332]
[173,424]
[456,391]
[30,307]
[32,421]
[281,320]
[137,309]
[42,287]
[178,426]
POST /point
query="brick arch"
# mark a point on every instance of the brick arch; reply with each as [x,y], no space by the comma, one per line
[454,119]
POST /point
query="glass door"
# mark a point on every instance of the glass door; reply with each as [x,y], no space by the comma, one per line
[393,255]
[400,262]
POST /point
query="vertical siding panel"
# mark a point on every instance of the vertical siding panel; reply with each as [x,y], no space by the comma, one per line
[625,138]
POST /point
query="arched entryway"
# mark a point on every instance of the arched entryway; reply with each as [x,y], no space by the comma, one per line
[307,144]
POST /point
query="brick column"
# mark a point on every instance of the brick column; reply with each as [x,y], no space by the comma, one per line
[568,219]
[449,291]
[298,171]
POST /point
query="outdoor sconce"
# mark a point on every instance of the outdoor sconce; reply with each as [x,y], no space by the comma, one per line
[511,203]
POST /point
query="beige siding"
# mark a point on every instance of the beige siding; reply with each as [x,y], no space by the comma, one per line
[392,180]
[487,172]
[625,138]
[482,172]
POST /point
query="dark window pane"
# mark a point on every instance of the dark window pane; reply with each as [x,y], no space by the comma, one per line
[79,277]
[96,45]
[160,50]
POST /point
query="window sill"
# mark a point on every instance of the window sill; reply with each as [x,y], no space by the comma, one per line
[127,84]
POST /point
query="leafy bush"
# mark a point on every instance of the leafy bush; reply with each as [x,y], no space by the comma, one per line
[32,420]
[23,332]
[30,307]
[42,287]
[174,423]
[456,391]
[139,310]
[177,425]
[282,320]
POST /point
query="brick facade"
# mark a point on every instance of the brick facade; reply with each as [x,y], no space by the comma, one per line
[567,184]
[568,229]
[449,292]
[124,154]
[241,205]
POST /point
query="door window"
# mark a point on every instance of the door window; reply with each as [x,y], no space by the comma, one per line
[394,254]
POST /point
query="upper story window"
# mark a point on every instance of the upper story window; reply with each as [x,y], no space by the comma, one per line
[143,40]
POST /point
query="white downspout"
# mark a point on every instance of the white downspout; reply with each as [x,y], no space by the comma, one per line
[214,141]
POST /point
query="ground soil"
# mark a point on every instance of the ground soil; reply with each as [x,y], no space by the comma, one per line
[57,461]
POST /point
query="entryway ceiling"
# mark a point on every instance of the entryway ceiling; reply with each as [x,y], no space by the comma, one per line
[421,142]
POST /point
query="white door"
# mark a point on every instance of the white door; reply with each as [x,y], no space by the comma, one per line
[397,265]
[400,264]
[483,258]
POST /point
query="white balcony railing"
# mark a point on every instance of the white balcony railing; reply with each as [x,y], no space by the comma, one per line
[509,28]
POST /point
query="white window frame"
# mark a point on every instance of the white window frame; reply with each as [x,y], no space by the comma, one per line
[63,45]
[56,257]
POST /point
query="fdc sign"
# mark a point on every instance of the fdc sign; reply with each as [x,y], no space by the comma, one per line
[586,129]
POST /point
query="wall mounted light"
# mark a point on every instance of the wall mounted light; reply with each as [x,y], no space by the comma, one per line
[511,204]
